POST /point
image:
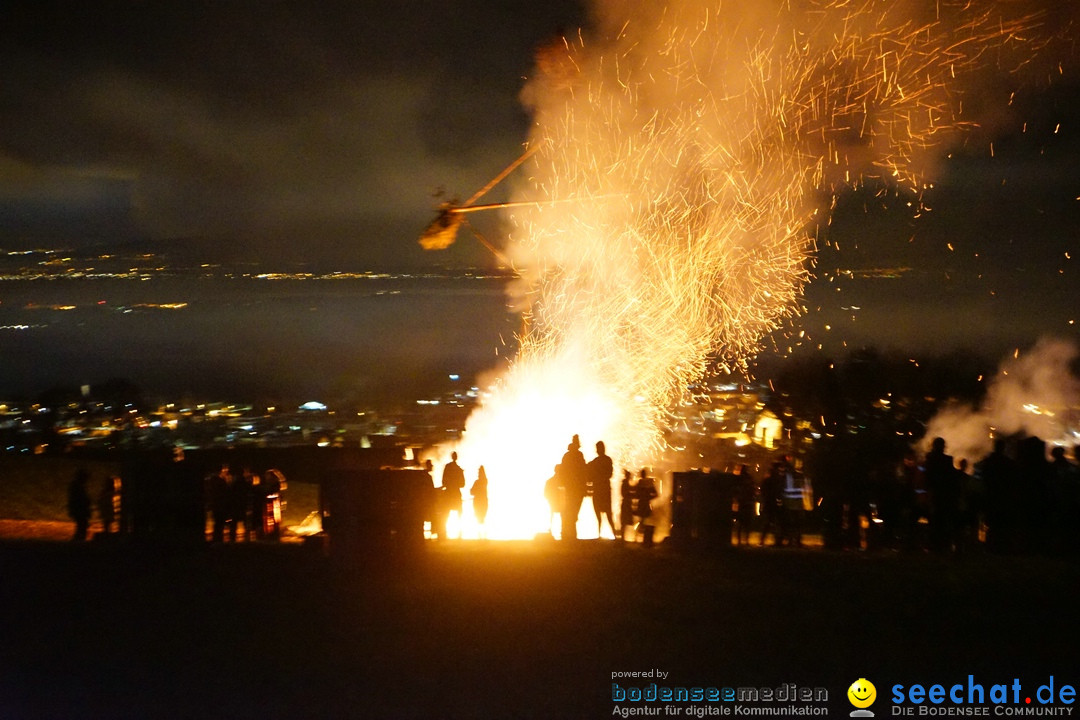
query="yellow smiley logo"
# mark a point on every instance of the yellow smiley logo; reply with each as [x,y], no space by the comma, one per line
[862,693]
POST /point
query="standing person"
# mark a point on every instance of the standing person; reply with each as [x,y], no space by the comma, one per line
[745,492]
[600,472]
[221,504]
[1071,511]
[453,480]
[274,485]
[626,504]
[434,503]
[943,488]
[78,504]
[574,476]
[907,502]
[967,517]
[553,495]
[772,497]
[240,502]
[1000,477]
[479,492]
[106,502]
[793,503]
[645,494]
[1062,479]
[1033,496]
[256,505]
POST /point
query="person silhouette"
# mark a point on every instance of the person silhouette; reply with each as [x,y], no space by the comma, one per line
[574,476]
[600,471]
[254,505]
[553,495]
[1033,493]
[968,510]
[772,495]
[106,502]
[1058,497]
[78,504]
[453,480]
[240,506]
[999,474]
[220,493]
[943,488]
[745,492]
[479,492]
[274,485]
[626,504]
[432,505]
[645,493]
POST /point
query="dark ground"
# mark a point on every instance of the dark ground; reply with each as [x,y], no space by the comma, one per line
[502,630]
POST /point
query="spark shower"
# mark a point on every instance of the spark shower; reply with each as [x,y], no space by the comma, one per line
[683,155]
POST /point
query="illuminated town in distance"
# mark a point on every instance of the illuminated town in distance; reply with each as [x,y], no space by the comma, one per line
[50,296]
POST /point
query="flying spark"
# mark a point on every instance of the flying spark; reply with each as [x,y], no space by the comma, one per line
[700,146]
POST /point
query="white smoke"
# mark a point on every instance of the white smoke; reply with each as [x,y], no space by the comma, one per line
[1034,393]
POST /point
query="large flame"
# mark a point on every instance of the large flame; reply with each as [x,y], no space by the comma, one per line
[682,155]
[522,430]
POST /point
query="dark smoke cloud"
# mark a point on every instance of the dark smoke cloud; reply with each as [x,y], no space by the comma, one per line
[262,120]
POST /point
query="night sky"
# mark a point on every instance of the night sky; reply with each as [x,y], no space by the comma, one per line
[294,129]
[323,131]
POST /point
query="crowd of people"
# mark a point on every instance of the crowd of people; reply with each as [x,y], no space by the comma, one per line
[565,491]
[448,499]
[80,504]
[574,480]
[1019,498]
[245,499]
[784,499]
[241,505]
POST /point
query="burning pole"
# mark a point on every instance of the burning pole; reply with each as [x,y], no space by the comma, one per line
[442,233]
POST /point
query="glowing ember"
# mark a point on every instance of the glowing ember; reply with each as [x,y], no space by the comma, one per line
[697,145]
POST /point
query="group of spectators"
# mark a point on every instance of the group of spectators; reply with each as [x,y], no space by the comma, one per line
[447,498]
[778,507]
[80,504]
[574,480]
[245,499]
[1018,498]
[241,504]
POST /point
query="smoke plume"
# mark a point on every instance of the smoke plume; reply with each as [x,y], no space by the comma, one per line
[1035,393]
